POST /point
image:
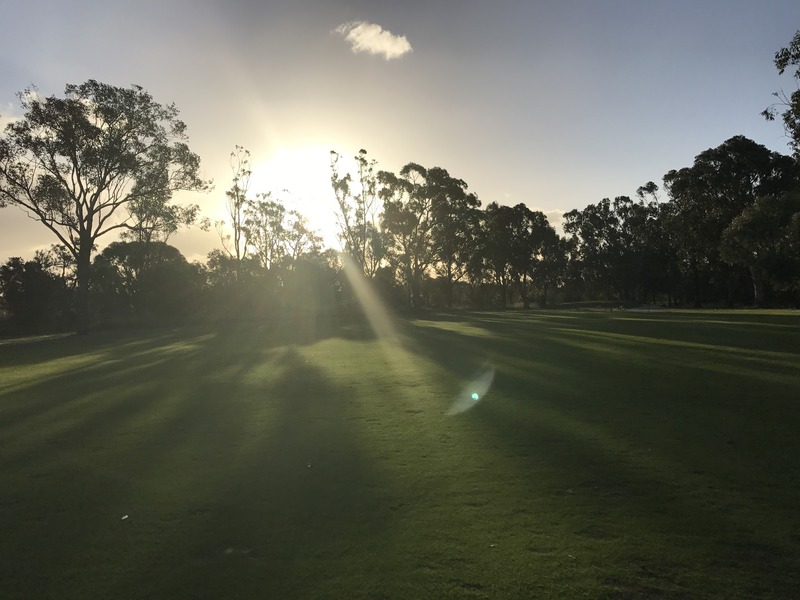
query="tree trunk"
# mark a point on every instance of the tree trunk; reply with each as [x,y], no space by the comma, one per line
[82,290]
[412,293]
[523,292]
[449,292]
[758,287]
[698,300]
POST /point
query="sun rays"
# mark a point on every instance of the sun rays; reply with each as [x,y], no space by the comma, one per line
[299,176]
[391,344]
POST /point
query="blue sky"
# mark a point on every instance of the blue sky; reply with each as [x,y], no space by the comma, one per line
[556,104]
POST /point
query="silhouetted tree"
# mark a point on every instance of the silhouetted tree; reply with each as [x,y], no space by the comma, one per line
[659,269]
[235,244]
[36,300]
[146,281]
[276,236]
[596,248]
[765,238]
[236,286]
[264,230]
[503,241]
[158,221]
[710,194]
[358,213]
[516,248]
[406,223]
[455,225]
[58,260]
[84,165]
[300,239]
[551,269]
[788,107]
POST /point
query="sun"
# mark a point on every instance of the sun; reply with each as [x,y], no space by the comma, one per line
[300,177]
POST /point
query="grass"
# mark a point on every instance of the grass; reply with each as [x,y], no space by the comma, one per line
[617,455]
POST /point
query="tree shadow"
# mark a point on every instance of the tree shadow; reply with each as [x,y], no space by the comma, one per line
[233,472]
[204,441]
[617,444]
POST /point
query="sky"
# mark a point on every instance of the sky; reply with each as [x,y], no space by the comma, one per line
[556,103]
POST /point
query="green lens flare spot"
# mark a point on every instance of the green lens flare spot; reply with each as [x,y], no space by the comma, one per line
[475,396]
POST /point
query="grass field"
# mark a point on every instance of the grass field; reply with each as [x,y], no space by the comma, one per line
[616,455]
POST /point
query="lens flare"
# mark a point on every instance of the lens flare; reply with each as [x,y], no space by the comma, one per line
[474,391]
[390,342]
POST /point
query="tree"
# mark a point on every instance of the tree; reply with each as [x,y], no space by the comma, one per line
[764,239]
[276,236]
[406,223]
[620,247]
[596,247]
[455,224]
[790,105]
[236,200]
[516,248]
[300,239]
[156,220]
[86,164]
[552,266]
[660,270]
[501,241]
[264,230]
[145,280]
[710,194]
[58,260]
[359,212]
[36,299]
[643,257]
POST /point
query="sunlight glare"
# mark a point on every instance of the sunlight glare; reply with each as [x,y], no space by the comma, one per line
[379,319]
[376,314]
[300,178]
[381,324]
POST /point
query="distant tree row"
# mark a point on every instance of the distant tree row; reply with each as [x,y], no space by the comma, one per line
[728,234]
[105,161]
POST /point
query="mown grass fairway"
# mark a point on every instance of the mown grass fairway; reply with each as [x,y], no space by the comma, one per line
[617,455]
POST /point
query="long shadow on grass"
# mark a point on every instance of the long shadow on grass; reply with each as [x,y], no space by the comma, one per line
[748,330]
[84,441]
[103,370]
[564,408]
[288,499]
[101,376]
[67,367]
[561,367]
[216,467]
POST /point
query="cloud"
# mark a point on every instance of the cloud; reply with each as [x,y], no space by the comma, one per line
[8,114]
[556,219]
[373,39]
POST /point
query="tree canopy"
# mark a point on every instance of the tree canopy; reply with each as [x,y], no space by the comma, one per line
[99,159]
[788,106]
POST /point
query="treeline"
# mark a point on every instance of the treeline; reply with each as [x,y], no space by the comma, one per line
[103,162]
[727,234]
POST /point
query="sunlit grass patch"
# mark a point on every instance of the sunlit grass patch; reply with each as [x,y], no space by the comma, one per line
[612,455]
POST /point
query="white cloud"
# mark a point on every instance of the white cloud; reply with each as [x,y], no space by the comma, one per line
[374,39]
[8,114]
[556,219]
